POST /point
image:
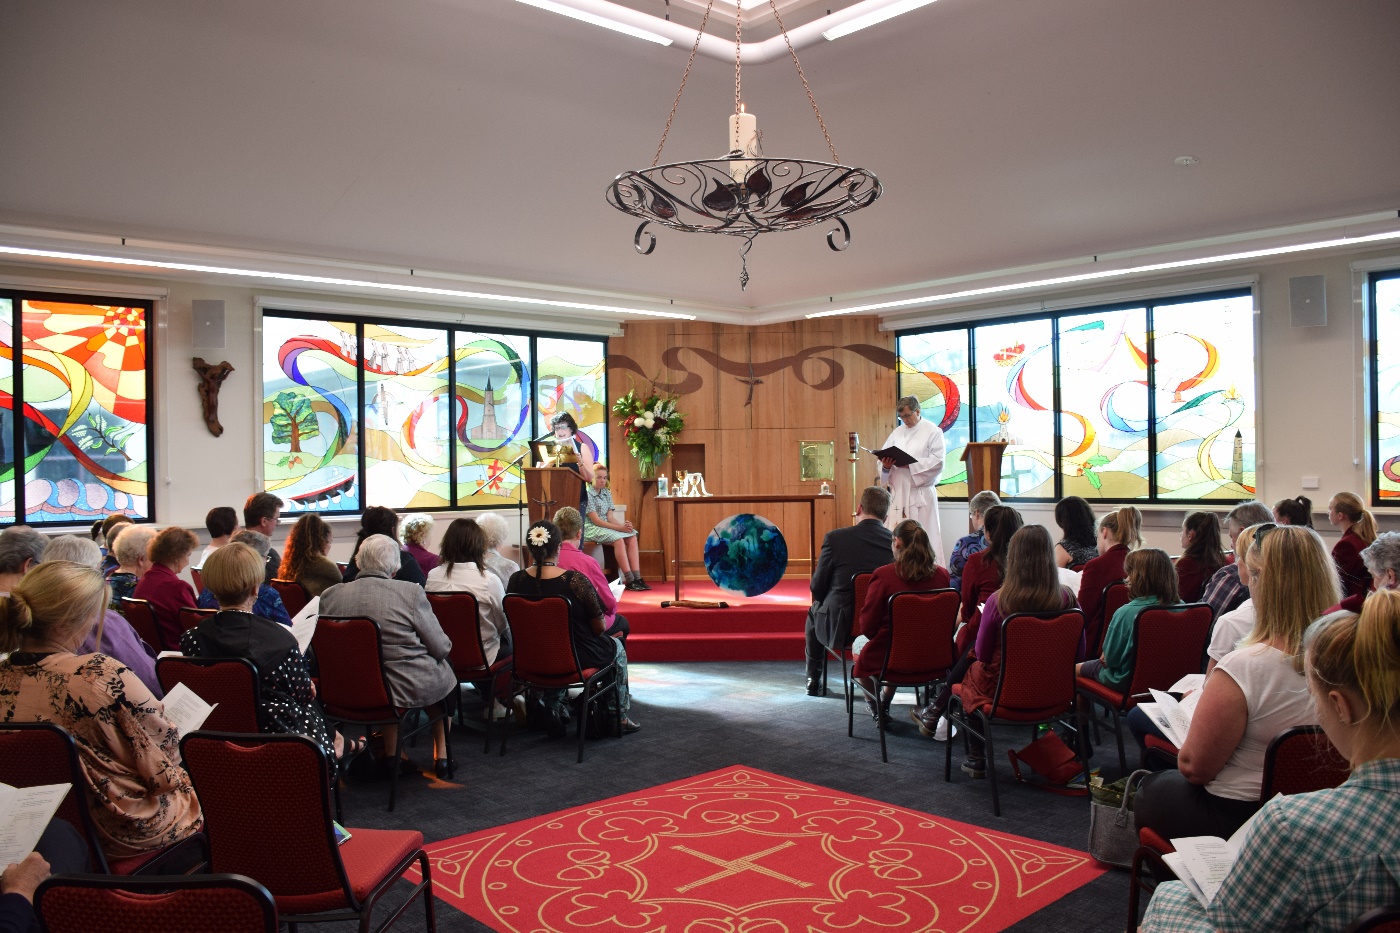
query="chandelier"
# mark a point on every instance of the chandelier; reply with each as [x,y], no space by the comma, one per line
[743,193]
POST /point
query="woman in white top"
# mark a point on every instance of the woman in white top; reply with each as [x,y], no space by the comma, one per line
[463,569]
[1253,694]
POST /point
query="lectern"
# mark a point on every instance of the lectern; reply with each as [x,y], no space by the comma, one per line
[549,489]
[983,466]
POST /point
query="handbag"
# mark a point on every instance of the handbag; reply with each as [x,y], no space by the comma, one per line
[1113,834]
[1051,762]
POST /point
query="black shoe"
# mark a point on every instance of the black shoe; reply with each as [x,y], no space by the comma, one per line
[556,727]
[636,586]
[641,584]
[815,687]
[441,768]
[975,767]
[628,727]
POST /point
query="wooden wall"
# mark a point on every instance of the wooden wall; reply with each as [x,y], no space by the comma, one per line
[750,394]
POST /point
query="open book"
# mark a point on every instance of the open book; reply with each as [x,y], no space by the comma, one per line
[1202,862]
[1172,717]
[304,623]
[899,455]
[24,815]
[185,710]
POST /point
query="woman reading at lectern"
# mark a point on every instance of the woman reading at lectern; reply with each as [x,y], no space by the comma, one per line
[573,453]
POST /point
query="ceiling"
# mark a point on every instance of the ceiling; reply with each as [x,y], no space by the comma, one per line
[477,136]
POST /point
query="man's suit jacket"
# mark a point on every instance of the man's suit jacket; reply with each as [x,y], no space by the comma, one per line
[845,553]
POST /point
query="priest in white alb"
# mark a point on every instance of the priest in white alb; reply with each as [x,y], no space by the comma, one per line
[912,491]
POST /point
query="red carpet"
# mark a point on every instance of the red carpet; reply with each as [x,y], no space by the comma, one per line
[744,851]
[761,628]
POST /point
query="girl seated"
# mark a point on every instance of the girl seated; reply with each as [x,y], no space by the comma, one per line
[1201,554]
[1151,582]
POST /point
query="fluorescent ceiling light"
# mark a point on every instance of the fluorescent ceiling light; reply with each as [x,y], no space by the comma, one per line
[875,16]
[596,20]
[1112,273]
[330,281]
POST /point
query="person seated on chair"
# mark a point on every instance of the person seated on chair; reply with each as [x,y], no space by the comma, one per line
[1295,511]
[1382,561]
[913,570]
[1151,582]
[497,532]
[306,557]
[221,523]
[415,648]
[379,520]
[133,562]
[970,544]
[571,557]
[591,642]
[1201,555]
[1234,627]
[161,586]
[286,696]
[139,795]
[1358,527]
[985,570]
[1224,591]
[112,526]
[417,530]
[1078,542]
[21,550]
[1253,694]
[1119,533]
[1315,862]
[603,530]
[845,552]
[269,604]
[463,570]
[262,512]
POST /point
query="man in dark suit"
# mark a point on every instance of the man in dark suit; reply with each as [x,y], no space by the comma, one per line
[845,553]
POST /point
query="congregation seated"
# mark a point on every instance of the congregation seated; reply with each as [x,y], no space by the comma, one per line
[1295,511]
[113,635]
[1253,694]
[602,529]
[591,643]
[913,570]
[497,532]
[415,648]
[986,569]
[262,511]
[973,542]
[306,557]
[1119,533]
[1201,555]
[112,526]
[221,522]
[133,555]
[21,550]
[1224,591]
[1078,542]
[417,530]
[845,552]
[571,526]
[269,603]
[1151,583]
[1358,528]
[1234,626]
[161,586]
[1382,560]
[1315,862]
[379,520]
[138,793]
[463,570]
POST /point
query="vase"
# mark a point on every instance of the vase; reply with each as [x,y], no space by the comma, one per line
[646,468]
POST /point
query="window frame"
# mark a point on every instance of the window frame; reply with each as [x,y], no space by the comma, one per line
[1372,370]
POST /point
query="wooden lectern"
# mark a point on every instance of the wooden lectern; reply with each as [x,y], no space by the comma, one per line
[983,466]
[549,489]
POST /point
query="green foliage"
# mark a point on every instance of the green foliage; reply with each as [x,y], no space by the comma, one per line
[293,420]
[103,437]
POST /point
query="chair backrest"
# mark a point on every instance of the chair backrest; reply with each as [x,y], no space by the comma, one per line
[198,577]
[33,754]
[457,613]
[1169,643]
[293,594]
[1037,661]
[143,619]
[542,643]
[1301,760]
[921,631]
[860,585]
[191,616]
[267,810]
[230,683]
[351,668]
[1115,597]
[1380,920]
[188,903]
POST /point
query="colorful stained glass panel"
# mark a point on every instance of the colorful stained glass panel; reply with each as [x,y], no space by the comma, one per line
[933,367]
[1103,404]
[407,412]
[7,415]
[571,379]
[493,418]
[1387,389]
[1015,392]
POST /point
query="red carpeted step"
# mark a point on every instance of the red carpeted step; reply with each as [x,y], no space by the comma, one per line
[760,628]
[715,646]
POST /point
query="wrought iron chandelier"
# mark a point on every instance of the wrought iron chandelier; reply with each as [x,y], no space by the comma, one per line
[743,193]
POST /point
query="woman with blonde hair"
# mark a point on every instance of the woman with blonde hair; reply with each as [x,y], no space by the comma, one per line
[1318,861]
[139,795]
[1119,533]
[1358,527]
[1253,694]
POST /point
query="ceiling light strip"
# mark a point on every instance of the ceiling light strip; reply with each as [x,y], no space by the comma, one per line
[330,281]
[596,20]
[897,8]
[1111,273]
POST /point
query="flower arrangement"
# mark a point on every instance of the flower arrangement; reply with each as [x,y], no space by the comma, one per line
[650,426]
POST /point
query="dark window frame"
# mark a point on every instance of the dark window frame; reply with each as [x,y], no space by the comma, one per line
[1373,408]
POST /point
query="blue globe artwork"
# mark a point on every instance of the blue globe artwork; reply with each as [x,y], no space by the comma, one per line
[746,555]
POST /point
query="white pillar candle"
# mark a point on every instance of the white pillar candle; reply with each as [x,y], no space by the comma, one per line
[743,137]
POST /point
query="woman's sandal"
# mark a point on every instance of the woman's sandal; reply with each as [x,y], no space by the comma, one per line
[351,747]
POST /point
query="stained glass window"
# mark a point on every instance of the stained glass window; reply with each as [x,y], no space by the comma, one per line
[406,417]
[1103,404]
[571,379]
[7,414]
[493,416]
[1385,391]
[85,411]
[1016,393]
[933,367]
[311,412]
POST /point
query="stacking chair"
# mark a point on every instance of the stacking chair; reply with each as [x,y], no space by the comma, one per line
[294,595]
[545,657]
[188,903]
[1035,685]
[190,617]
[458,614]
[352,688]
[1115,597]
[198,577]
[1170,643]
[230,684]
[860,583]
[1381,920]
[286,839]
[921,648]
[143,619]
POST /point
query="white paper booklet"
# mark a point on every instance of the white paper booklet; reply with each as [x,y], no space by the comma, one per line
[185,710]
[1173,718]
[1070,578]
[169,654]
[1187,684]
[304,623]
[1202,862]
[24,814]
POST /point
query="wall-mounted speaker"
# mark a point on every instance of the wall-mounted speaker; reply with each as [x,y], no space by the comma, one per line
[208,324]
[1307,300]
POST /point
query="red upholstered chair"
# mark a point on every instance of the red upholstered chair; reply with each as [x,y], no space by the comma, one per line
[33,754]
[1170,643]
[285,839]
[1380,920]
[1035,684]
[545,658]
[860,583]
[230,683]
[1165,752]
[142,618]
[1115,597]
[458,614]
[921,647]
[198,579]
[352,688]
[187,903]
[293,594]
[191,616]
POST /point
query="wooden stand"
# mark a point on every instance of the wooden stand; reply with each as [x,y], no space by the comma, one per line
[548,489]
[983,466]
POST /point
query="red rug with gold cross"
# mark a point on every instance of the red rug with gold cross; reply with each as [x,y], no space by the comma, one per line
[743,851]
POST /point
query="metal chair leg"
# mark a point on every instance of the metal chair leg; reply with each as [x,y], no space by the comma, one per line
[989,761]
[880,718]
[1118,734]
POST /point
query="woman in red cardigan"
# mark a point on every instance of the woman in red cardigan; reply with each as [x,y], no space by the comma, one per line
[1358,528]
[1119,533]
[162,587]
[1201,555]
[984,570]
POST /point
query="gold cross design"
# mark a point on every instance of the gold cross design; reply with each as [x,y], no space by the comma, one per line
[734,866]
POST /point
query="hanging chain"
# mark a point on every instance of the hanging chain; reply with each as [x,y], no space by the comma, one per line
[738,48]
[829,144]
[681,90]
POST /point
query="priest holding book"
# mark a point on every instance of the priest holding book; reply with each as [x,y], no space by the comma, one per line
[912,487]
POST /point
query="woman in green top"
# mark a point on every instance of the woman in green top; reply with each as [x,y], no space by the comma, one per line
[1151,582]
